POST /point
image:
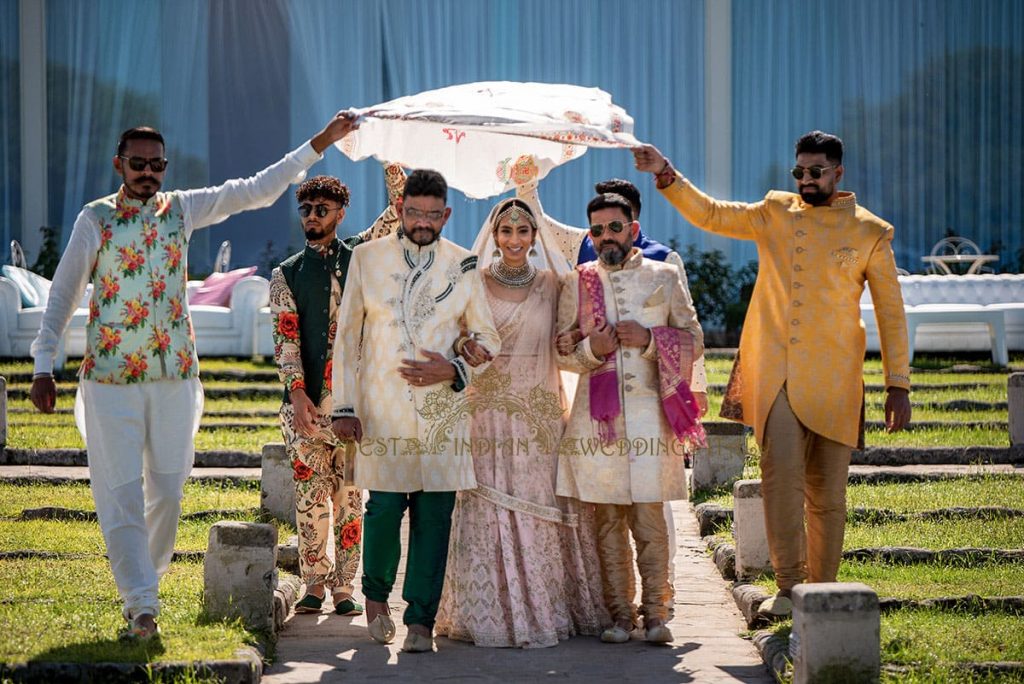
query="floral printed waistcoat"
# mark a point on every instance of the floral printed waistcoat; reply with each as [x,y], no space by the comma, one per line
[139,328]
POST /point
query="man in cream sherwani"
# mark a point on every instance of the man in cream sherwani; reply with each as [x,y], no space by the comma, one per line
[397,394]
[620,451]
[798,379]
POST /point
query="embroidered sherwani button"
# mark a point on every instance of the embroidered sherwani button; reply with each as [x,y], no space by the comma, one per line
[793,340]
[626,354]
[628,376]
[800,233]
[798,267]
[800,250]
[798,303]
[795,321]
[629,388]
[797,285]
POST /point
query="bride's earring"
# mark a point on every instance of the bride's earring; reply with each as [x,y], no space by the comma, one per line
[533,249]
[496,253]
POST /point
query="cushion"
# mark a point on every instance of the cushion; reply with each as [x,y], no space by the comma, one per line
[216,289]
[33,288]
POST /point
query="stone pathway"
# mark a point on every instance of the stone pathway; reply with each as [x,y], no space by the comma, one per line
[707,648]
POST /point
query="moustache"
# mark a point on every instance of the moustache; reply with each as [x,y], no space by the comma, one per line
[145,179]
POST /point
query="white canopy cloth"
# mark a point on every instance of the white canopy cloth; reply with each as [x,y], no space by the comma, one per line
[487,138]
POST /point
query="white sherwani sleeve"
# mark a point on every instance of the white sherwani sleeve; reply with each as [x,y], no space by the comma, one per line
[208,206]
[480,323]
[349,340]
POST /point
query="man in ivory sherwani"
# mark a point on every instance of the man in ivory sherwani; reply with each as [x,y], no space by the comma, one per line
[399,395]
[627,326]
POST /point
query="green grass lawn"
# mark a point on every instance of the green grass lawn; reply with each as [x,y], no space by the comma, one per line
[929,580]
[198,497]
[933,642]
[68,611]
[62,434]
[989,490]
[84,537]
[930,534]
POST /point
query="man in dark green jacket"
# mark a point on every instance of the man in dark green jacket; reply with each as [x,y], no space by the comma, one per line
[305,291]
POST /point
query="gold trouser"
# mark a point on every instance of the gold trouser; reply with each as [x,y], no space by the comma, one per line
[801,471]
[647,523]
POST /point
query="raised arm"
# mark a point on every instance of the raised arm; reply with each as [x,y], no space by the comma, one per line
[208,206]
[731,219]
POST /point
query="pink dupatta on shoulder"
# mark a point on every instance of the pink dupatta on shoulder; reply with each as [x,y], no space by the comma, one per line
[675,367]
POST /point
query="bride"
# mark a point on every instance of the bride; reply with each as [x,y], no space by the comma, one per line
[522,567]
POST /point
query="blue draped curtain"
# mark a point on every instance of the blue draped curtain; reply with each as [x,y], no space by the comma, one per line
[650,60]
[926,94]
[10,127]
[112,65]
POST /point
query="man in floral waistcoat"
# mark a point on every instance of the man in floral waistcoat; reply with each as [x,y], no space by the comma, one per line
[305,291]
[139,388]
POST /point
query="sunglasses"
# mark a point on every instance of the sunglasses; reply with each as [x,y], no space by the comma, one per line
[815,171]
[157,164]
[597,230]
[321,210]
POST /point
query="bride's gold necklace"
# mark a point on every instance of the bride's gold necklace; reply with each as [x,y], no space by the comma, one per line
[515,277]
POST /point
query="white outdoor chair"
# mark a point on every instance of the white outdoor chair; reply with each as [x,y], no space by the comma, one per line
[18,255]
[222,264]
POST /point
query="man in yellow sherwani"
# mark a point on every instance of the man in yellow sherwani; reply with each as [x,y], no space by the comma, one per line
[638,337]
[397,393]
[798,378]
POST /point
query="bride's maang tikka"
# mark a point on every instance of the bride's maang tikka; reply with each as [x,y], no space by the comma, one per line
[514,214]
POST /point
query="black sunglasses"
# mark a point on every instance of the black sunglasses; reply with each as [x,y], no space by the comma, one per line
[815,171]
[157,164]
[321,210]
[614,226]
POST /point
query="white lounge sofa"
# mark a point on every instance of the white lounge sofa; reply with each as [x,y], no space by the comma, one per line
[959,296]
[220,330]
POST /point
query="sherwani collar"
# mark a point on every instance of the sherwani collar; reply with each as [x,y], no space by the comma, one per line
[417,256]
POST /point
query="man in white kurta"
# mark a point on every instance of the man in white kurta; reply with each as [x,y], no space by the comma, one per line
[632,473]
[139,389]
[398,390]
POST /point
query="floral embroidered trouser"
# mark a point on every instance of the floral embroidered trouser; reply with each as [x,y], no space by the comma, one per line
[323,501]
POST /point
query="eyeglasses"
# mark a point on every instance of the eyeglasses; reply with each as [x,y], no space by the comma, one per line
[158,164]
[416,215]
[321,210]
[597,230]
[815,171]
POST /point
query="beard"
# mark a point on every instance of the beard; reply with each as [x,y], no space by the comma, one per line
[316,233]
[142,191]
[814,195]
[422,236]
[612,253]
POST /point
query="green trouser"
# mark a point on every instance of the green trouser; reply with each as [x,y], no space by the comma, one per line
[430,521]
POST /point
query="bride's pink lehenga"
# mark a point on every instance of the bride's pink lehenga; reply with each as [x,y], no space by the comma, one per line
[522,566]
